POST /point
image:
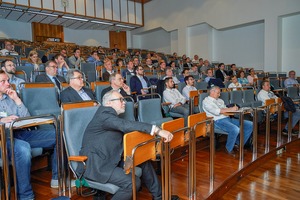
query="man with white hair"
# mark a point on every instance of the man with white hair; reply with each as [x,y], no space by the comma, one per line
[103,145]
[216,108]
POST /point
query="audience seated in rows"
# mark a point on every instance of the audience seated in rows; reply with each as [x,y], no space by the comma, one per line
[11,108]
[51,75]
[266,93]
[10,69]
[177,100]
[117,84]
[216,108]
[76,92]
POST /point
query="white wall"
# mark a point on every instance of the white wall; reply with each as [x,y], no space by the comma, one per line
[200,41]
[243,46]
[87,37]
[14,29]
[157,40]
[187,17]
[291,44]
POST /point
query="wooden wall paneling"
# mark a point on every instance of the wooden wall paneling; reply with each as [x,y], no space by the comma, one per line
[119,38]
[41,32]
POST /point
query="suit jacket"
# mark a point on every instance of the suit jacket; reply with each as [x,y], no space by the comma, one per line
[105,76]
[219,74]
[103,143]
[45,79]
[71,95]
[125,72]
[136,84]
[230,73]
[104,91]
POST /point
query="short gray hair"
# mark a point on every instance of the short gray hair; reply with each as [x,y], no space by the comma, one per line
[70,74]
[107,97]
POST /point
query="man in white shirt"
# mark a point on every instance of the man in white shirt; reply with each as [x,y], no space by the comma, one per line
[216,108]
[189,81]
[178,102]
[266,93]
[8,50]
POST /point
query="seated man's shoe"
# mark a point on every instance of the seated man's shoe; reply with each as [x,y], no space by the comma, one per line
[231,153]
[236,148]
[284,132]
[54,183]
[175,197]
[295,133]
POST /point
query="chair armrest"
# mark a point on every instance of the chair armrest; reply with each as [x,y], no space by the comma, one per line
[78,158]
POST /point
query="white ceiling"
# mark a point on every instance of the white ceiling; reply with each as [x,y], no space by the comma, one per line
[24,14]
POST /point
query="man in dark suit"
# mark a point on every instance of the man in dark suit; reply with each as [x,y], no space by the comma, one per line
[221,73]
[129,70]
[109,69]
[117,84]
[51,75]
[233,71]
[103,145]
[139,83]
[76,92]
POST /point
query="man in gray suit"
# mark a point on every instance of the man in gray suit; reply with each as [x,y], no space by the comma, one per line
[103,144]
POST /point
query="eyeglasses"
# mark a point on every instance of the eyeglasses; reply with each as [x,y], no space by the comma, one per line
[121,99]
[11,65]
[79,77]
[54,66]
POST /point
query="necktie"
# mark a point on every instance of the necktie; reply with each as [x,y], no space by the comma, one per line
[56,82]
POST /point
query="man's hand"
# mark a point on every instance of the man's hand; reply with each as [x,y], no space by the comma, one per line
[166,135]
[9,119]
[14,96]
[126,88]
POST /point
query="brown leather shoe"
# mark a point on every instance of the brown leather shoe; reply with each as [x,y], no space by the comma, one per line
[232,153]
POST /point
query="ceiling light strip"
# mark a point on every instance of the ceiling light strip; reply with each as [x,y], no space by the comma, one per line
[124,26]
[75,18]
[105,23]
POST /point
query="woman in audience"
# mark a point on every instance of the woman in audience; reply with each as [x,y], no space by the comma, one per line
[34,60]
[251,76]
[234,83]
[242,79]
[62,66]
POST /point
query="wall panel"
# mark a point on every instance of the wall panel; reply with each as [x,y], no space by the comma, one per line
[80,7]
[107,9]
[90,8]
[99,9]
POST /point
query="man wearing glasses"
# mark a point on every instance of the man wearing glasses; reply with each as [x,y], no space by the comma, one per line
[139,83]
[76,92]
[10,69]
[103,145]
[51,75]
